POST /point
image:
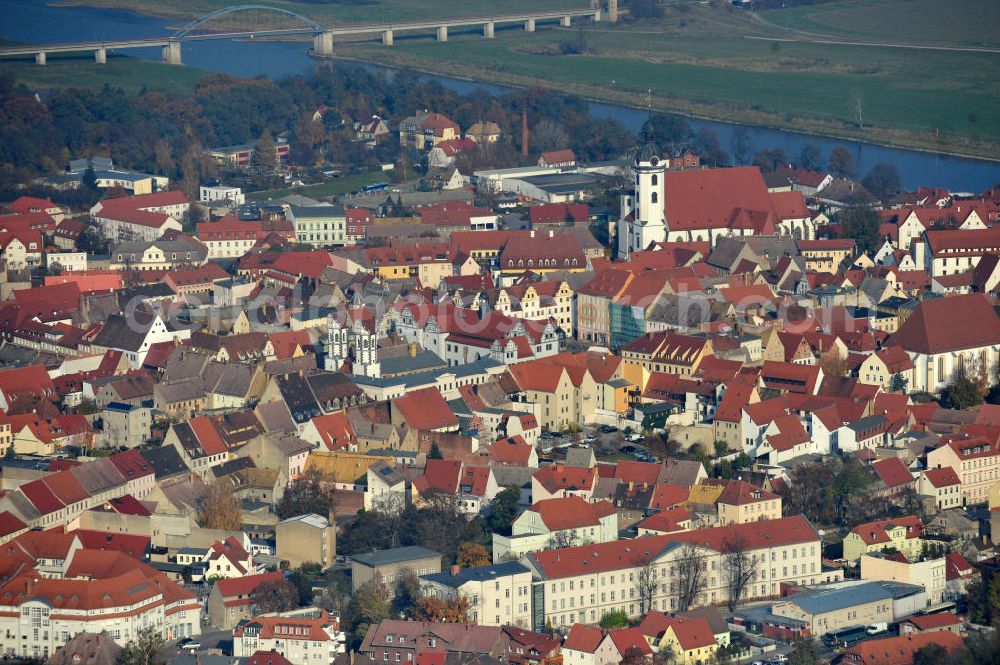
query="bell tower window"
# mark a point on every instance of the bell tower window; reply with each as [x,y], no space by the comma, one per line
[656,180]
[654,196]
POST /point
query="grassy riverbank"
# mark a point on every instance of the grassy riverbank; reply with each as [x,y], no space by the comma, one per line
[724,64]
[130,74]
[777,69]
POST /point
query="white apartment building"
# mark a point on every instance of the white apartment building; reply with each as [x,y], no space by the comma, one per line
[581,584]
[305,637]
[498,595]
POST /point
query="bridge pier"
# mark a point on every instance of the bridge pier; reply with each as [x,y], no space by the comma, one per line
[442,33]
[40,58]
[488,29]
[597,16]
[172,53]
[387,38]
[101,56]
[612,11]
[323,44]
[529,25]
[566,21]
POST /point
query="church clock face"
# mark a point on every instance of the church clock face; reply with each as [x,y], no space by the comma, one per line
[654,160]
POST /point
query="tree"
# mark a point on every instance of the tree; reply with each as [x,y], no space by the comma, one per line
[645,581]
[89,179]
[898,383]
[145,649]
[93,241]
[311,492]
[614,619]
[220,509]
[435,451]
[841,164]
[164,155]
[810,157]
[565,538]
[370,603]
[707,140]
[691,576]
[437,610]
[862,224]
[633,656]
[303,587]
[805,652]
[407,593]
[472,555]
[264,154]
[549,135]
[665,129]
[833,365]
[504,510]
[770,160]
[741,144]
[962,392]
[275,596]
[883,180]
[739,569]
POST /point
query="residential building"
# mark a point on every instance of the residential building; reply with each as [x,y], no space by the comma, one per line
[387,566]
[557,522]
[498,595]
[56,589]
[305,637]
[974,459]
[319,226]
[398,641]
[306,538]
[903,534]
[943,485]
[231,600]
[894,567]
[585,582]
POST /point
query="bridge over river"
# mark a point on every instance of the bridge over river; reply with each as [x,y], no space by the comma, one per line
[260,22]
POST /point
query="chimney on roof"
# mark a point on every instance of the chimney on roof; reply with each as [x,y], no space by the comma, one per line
[455,570]
[532,233]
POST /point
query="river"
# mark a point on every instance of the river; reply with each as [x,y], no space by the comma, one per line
[34,21]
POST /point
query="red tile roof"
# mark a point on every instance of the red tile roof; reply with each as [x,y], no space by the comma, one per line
[615,555]
[426,409]
[873,533]
[900,650]
[237,590]
[937,620]
[949,324]
[943,477]
[583,638]
[559,477]
[893,472]
[571,512]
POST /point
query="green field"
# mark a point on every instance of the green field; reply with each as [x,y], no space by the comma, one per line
[333,187]
[715,61]
[702,60]
[130,74]
[931,22]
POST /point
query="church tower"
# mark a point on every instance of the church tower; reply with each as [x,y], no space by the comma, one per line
[643,222]
[336,345]
[366,354]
